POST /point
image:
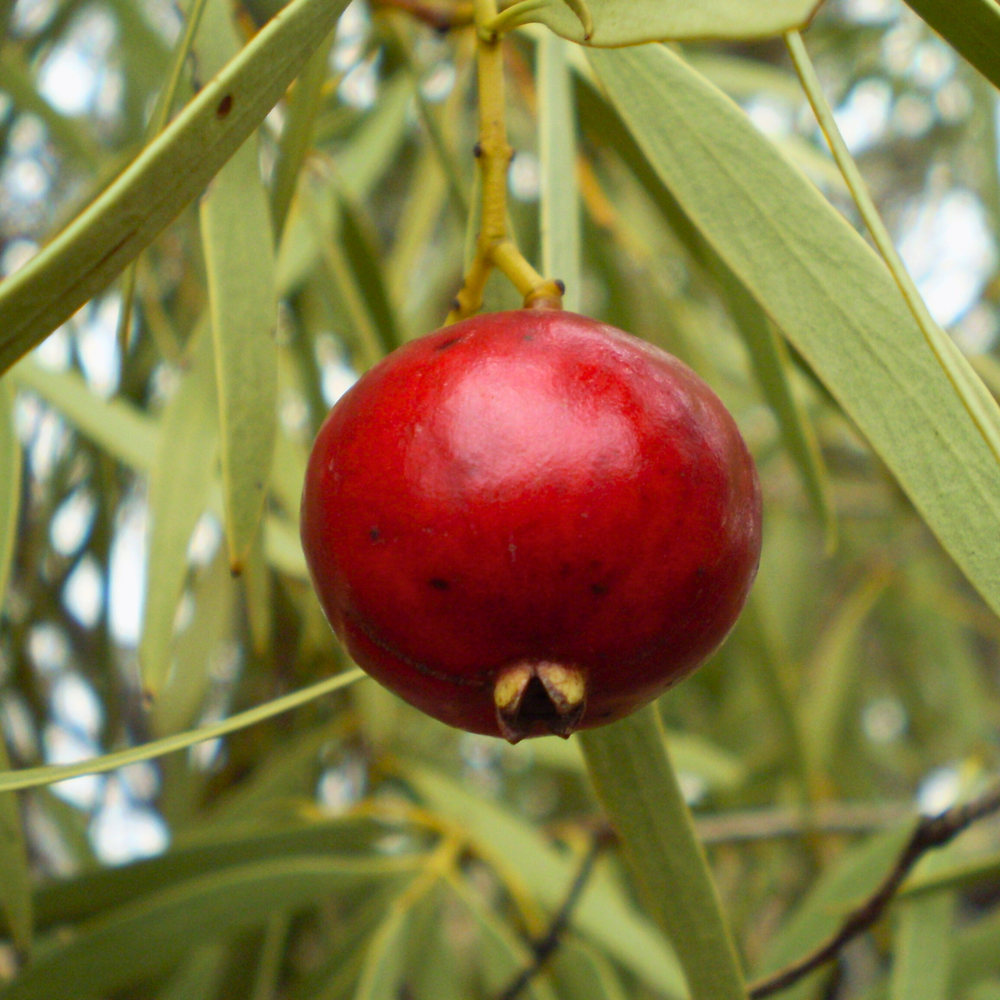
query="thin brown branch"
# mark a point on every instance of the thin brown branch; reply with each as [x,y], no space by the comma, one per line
[545,946]
[440,16]
[930,833]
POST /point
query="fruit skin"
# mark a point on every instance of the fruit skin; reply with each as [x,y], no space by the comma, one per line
[530,487]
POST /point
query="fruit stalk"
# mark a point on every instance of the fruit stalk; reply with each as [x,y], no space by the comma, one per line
[635,781]
[493,246]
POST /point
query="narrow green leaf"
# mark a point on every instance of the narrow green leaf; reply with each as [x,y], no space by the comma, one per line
[603,913]
[975,397]
[15,874]
[631,22]
[165,177]
[941,871]
[636,784]
[237,241]
[972,27]
[832,674]
[921,952]
[153,932]
[559,201]
[358,168]
[272,955]
[296,134]
[32,777]
[692,754]
[121,429]
[385,957]
[239,258]
[200,976]
[501,954]
[773,371]
[70,901]
[182,474]
[824,287]
[191,669]
[841,888]
[583,973]
[359,244]
[976,954]
[10,484]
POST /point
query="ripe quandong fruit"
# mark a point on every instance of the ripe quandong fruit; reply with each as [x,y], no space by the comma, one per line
[530,522]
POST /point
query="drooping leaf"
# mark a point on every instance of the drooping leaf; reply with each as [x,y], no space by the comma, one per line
[843,886]
[10,484]
[15,873]
[603,914]
[559,198]
[972,27]
[190,675]
[180,480]
[239,259]
[921,954]
[166,176]
[501,956]
[119,428]
[385,957]
[156,930]
[638,788]
[631,22]
[824,287]
[832,673]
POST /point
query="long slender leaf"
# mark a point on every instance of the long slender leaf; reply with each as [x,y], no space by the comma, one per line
[183,471]
[629,22]
[636,783]
[824,287]
[239,258]
[971,26]
[156,930]
[603,914]
[121,429]
[921,954]
[15,874]
[32,777]
[10,484]
[559,203]
[165,177]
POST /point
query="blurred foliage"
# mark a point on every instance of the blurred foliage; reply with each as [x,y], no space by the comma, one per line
[354,847]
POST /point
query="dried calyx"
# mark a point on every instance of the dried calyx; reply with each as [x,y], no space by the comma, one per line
[535,699]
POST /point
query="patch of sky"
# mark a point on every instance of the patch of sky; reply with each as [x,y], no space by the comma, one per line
[78,77]
[948,248]
[83,592]
[127,572]
[70,525]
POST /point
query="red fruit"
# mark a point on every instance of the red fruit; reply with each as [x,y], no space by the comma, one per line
[530,523]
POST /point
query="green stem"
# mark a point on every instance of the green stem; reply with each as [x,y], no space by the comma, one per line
[976,398]
[635,782]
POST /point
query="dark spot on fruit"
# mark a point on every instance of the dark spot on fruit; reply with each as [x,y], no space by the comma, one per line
[528,336]
[445,344]
[701,571]
[477,150]
[374,534]
[455,305]
[438,584]
[565,569]
[561,285]
[225,106]
[598,589]
[595,563]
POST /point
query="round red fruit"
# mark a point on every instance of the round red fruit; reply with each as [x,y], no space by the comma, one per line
[530,523]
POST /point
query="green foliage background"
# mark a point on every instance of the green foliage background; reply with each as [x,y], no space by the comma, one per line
[352,847]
